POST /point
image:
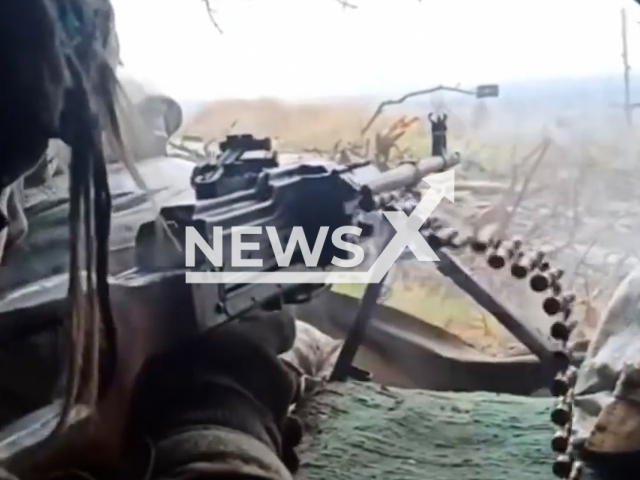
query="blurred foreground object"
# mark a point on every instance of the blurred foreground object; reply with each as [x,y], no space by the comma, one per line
[148,118]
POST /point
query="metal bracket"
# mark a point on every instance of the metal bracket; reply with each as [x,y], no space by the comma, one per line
[341,370]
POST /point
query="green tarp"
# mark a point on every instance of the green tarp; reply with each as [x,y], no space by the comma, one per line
[361,431]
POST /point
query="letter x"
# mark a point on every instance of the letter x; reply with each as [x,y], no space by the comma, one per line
[408,235]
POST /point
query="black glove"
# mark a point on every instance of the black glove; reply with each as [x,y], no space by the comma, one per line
[217,402]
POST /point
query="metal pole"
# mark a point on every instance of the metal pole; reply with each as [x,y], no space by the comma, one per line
[627,69]
[359,328]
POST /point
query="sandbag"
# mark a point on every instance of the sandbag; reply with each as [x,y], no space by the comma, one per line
[312,357]
[313,352]
[607,393]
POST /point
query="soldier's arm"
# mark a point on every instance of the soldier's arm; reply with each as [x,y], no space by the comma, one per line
[217,407]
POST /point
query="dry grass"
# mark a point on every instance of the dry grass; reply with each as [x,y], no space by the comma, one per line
[318,126]
[296,126]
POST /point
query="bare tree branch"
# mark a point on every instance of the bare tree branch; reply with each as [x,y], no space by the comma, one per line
[501,214]
[536,226]
[211,12]
[346,4]
[406,97]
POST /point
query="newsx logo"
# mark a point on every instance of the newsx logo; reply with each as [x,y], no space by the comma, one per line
[283,257]
[407,236]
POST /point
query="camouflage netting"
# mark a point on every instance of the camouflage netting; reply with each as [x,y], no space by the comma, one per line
[368,432]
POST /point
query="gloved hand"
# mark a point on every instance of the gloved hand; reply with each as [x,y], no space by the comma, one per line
[217,406]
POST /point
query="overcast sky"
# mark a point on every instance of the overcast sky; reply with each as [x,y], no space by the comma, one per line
[313,48]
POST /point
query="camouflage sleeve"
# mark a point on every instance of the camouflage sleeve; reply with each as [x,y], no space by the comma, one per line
[218,407]
[216,453]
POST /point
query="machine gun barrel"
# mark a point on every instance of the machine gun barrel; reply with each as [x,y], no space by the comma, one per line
[409,174]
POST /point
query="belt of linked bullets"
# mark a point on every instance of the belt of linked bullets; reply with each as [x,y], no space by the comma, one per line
[557,305]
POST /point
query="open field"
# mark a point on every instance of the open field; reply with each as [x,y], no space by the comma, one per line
[298,127]
[318,126]
[489,128]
